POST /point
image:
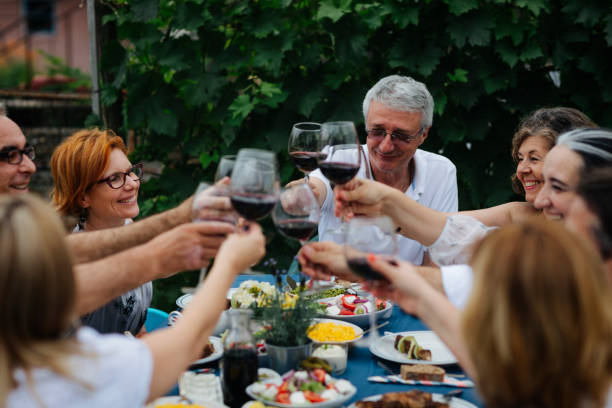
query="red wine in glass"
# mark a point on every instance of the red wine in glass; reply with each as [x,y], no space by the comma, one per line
[338,173]
[297,229]
[253,206]
[306,161]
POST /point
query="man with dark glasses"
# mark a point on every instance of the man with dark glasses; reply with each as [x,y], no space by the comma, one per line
[156,247]
[16,158]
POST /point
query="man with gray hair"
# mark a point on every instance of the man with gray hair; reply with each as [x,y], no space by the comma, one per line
[398,113]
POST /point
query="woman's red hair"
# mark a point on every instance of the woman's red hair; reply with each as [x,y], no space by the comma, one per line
[78,163]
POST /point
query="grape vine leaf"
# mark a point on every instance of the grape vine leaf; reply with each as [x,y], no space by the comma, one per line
[333,10]
[144,10]
[458,7]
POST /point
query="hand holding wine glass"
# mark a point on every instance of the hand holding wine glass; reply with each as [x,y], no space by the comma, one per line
[211,203]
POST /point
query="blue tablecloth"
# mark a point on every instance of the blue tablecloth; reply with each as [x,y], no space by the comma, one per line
[362,363]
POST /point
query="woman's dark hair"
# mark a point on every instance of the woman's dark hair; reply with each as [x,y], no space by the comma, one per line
[547,123]
[595,188]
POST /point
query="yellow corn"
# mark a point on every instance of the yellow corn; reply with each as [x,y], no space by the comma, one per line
[328,331]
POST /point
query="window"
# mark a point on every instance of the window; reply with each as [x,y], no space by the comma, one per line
[39,15]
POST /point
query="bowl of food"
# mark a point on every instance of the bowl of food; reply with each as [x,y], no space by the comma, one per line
[356,309]
[313,388]
[332,331]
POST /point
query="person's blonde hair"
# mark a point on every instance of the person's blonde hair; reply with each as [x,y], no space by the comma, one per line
[538,324]
[37,290]
[78,163]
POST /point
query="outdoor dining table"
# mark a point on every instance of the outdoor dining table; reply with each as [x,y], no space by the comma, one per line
[363,364]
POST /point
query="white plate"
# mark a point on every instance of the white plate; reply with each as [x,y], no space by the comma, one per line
[440,354]
[358,331]
[362,320]
[177,400]
[454,402]
[183,301]
[326,404]
[218,344]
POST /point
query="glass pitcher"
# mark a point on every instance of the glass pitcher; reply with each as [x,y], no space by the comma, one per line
[239,362]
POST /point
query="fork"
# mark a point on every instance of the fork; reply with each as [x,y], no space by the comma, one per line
[449,395]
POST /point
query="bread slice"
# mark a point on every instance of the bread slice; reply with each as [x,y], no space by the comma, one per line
[422,372]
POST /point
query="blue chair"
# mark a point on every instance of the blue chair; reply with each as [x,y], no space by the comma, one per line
[156,319]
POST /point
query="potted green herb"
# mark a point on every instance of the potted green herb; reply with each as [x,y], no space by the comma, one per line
[286,318]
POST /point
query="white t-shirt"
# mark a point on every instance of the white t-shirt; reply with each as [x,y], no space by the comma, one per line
[434,185]
[457,282]
[119,373]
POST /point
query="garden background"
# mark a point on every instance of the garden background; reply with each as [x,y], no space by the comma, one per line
[197,79]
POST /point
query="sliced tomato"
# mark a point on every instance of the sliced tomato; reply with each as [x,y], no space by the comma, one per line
[346,304]
[347,313]
[313,397]
[380,304]
[284,387]
[319,375]
[283,398]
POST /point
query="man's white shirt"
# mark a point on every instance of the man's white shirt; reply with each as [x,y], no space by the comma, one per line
[434,185]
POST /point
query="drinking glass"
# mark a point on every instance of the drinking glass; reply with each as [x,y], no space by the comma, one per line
[340,162]
[374,235]
[209,204]
[304,146]
[296,213]
[255,183]
[340,156]
[225,167]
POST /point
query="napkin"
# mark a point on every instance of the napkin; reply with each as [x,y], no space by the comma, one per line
[448,381]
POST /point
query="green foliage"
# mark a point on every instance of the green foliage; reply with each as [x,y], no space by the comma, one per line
[205,78]
[13,74]
[57,66]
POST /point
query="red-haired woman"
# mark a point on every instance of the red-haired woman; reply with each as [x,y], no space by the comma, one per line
[95,181]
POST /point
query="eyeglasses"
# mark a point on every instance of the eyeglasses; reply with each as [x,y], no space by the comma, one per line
[117,180]
[15,156]
[381,133]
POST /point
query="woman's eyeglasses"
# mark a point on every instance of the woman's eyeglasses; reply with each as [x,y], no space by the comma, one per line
[15,156]
[117,180]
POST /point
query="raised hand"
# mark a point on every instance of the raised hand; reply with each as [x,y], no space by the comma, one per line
[360,197]
[321,260]
[243,248]
[188,246]
[404,285]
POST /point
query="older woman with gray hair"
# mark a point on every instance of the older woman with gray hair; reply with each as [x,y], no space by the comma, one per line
[398,114]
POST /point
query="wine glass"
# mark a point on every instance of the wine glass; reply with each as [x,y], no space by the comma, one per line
[304,146]
[225,167]
[340,161]
[255,183]
[340,157]
[364,236]
[296,214]
[210,204]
